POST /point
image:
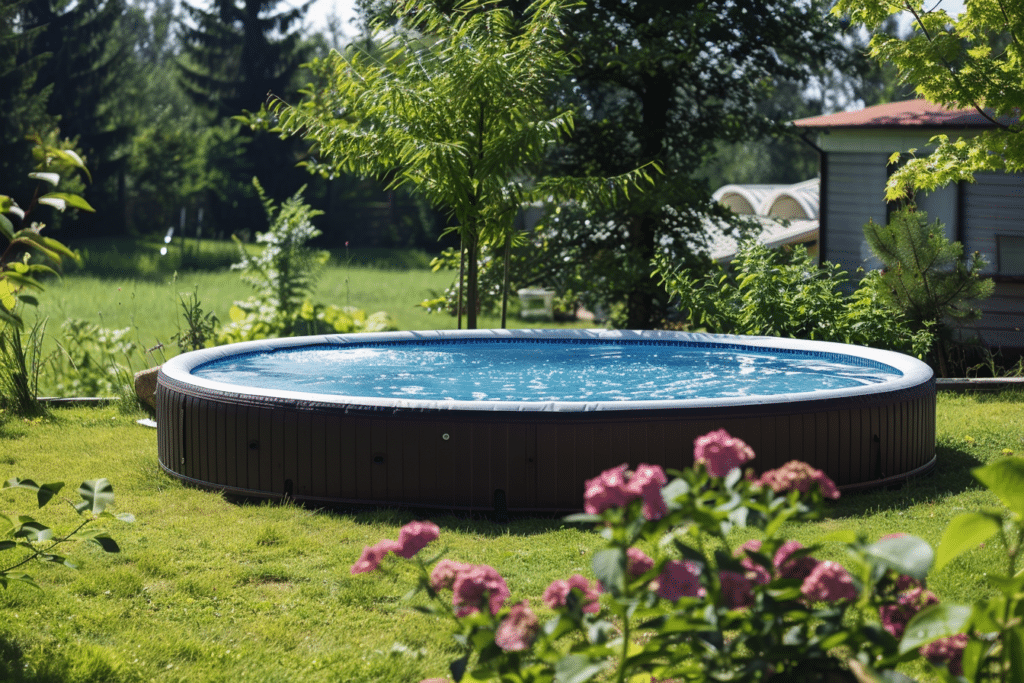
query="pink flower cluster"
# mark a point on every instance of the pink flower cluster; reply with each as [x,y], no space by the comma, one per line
[895,617]
[473,586]
[555,595]
[829,582]
[637,562]
[720,452]
[786,567]
[612,489]
[679,578]
[412,538]
[798,476]
[949,650]
[518,630]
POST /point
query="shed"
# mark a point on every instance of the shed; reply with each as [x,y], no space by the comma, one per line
[985,216]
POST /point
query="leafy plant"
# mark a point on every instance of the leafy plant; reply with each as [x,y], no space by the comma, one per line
[926,277]
[455,103]
[285,272]
[94,360]
[787,294]
[694,609]
[33,541]
[201,327]
[21,363]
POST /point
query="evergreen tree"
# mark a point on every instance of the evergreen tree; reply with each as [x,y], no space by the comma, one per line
[22,101]
[82,75]
[234,54]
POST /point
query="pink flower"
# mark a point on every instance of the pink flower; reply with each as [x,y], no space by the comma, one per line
[895,617]
[637,562]
[737,589]
[646,483]
[414,536]
[606,490]
[904,582]
[829,582]
[610,489]
[796,567]
[518,630]
[678,578]
[476,585]
[556,594]
[720,453]
[798,476]
[444,574]
[949,650]
[372,556]
[755,572]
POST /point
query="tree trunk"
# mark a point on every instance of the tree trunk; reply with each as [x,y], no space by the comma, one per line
[473,256]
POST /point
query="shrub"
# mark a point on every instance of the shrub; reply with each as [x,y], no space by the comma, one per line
[672,599]
[787,294]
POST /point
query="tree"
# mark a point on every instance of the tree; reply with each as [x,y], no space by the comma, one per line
[234,54]
[665,81]
[458,111]
[926,277]
[971,61]
[81,77]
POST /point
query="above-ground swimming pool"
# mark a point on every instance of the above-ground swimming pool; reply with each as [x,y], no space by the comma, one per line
[518,419]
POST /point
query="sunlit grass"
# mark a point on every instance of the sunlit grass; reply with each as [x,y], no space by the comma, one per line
[209,590]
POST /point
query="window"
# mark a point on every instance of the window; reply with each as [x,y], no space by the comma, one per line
[1010,255]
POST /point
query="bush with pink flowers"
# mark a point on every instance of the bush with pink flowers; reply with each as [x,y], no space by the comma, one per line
[670,599]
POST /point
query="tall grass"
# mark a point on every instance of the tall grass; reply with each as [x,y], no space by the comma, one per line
[209,590]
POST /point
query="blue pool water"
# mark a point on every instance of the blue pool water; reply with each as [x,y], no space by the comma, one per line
[547,371]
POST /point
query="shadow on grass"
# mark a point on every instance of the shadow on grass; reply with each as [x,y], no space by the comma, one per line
[13,668]
[951,476]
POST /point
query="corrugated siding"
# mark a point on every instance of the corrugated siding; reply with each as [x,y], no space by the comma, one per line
[856,193]
[994,205]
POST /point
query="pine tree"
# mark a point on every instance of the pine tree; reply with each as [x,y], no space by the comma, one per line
[82,75]
[22,102]
[234,54]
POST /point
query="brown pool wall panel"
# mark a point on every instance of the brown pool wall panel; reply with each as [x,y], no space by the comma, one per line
[326,453]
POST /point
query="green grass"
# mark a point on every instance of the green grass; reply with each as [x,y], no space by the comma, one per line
[125,284]
[208,590]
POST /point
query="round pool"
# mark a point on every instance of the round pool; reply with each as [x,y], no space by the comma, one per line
[518,419]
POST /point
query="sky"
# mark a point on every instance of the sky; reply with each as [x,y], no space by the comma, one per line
[346,10]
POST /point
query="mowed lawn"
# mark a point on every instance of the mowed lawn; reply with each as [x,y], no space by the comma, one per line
[205,589]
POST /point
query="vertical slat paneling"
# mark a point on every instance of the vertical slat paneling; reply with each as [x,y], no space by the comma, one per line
[522,486]
[303,480]
[378,456]
[413,435]
[318,455]
[547,465]
[844,438]
[568,483]
[394,460]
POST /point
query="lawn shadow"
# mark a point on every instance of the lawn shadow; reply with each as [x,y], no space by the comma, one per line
[14,670]
[951,475]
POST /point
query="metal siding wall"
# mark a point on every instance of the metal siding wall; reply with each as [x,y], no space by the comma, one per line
[856,193]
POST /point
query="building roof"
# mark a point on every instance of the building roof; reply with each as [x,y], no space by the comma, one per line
[915,113]
[787,214]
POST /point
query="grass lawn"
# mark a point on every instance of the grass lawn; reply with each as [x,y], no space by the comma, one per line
[143,296]
[208,590]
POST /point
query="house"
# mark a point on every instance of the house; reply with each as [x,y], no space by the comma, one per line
[787,214]
[985,216]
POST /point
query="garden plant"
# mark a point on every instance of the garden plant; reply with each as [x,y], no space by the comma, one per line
[673,601]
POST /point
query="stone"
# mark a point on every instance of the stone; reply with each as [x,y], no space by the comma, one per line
[145,386]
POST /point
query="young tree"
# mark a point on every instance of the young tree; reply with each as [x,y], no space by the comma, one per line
[970,61]
[458,110]
[926,277]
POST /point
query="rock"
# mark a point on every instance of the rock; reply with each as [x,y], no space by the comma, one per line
[145,386]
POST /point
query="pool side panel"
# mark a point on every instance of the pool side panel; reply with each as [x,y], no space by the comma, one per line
[539,461]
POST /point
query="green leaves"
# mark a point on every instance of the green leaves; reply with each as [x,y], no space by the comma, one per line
[1005,478]
[934,622]
[965,532]
[96,495]
[906,555]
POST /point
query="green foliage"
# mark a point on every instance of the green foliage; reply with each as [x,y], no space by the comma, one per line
[786,294]
[94,360]
[973,60]
[21,362]
[201,326]
[700,609]
[33,541]
[456,106]
[926,277]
